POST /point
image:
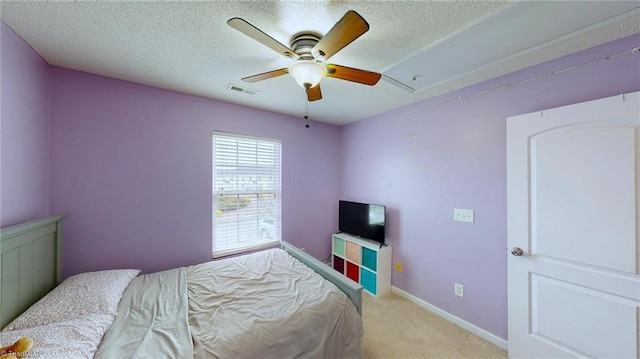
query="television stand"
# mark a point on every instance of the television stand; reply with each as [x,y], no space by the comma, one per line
[364,261]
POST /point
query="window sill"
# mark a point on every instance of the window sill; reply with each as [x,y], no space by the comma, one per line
[246,250]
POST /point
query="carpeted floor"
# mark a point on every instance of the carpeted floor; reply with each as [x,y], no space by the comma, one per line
[396,328]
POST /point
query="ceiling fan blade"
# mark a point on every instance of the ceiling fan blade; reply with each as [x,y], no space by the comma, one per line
[266,75]
[347,29]
[354,75]
[257,34]
[314,93]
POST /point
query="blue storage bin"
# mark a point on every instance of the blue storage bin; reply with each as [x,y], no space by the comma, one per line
[368,281]
[370,259]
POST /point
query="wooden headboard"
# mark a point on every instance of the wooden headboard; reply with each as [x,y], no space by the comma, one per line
[30,264]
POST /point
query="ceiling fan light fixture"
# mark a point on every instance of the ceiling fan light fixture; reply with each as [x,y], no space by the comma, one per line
[307,73]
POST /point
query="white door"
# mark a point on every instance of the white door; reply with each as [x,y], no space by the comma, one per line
[573,185]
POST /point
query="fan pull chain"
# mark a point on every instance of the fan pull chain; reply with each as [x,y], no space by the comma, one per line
[306,111]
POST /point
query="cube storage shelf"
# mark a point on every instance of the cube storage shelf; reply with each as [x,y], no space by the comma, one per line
[362,261]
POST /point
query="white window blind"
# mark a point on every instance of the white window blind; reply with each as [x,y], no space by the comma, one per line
[246,193]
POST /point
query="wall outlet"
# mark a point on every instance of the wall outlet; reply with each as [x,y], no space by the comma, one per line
[463,215]
[458,289]
[399,266]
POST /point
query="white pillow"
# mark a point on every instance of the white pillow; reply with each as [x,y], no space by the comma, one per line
[76,338]
[77,296]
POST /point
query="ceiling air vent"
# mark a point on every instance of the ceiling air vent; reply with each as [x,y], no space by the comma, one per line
[237,88]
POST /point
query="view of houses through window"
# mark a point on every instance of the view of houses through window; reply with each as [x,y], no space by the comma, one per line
[246,193]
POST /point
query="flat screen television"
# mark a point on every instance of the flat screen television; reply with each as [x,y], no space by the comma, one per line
[362,220]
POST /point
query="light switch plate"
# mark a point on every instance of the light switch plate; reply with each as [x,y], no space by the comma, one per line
[463,215]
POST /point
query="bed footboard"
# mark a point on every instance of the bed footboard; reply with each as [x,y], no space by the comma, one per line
[30,264]
[352,289]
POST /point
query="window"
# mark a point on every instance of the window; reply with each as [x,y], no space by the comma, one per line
[246,193]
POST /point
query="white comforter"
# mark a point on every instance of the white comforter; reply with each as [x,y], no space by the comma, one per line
[263,305]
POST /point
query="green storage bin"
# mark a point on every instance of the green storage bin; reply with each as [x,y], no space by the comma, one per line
[338,246]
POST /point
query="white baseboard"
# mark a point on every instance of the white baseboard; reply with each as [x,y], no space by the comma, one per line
[453,319]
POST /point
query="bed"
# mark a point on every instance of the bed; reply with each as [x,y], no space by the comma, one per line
[278,303]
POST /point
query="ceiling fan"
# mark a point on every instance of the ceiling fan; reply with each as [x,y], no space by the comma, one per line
[310,50]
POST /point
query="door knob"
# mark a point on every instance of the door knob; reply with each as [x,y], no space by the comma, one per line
[516,251]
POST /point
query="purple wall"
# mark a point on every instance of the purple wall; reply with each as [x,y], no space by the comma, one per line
[132,166]
[422,164]
[24,135]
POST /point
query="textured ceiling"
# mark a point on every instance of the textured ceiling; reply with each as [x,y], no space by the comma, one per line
[188,47]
